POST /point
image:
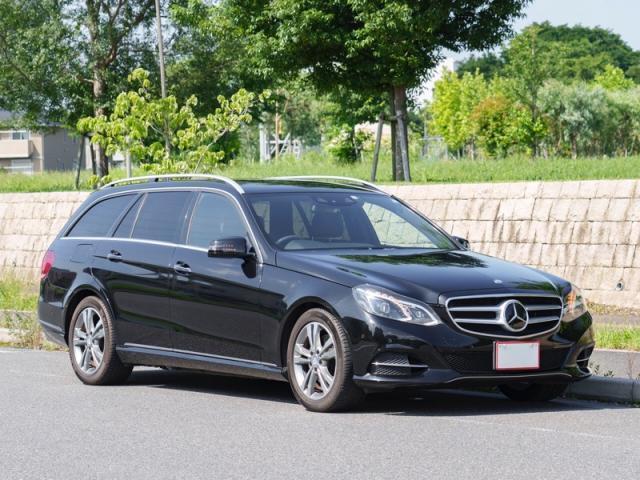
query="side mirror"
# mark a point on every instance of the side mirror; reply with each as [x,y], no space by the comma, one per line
[463,242]
[232,247]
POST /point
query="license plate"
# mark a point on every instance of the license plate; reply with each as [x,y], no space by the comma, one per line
[516,355]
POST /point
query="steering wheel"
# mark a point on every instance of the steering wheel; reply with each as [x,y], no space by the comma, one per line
[282,242]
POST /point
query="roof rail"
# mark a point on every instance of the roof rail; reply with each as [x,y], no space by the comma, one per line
[157,178]
[344,180]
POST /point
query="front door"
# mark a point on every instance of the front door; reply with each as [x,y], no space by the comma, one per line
[216,302]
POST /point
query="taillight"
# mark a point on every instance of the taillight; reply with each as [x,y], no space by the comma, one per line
[47,263]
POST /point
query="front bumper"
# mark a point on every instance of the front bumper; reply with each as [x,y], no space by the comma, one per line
[444,356]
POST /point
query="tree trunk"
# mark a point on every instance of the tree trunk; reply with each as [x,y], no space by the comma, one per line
[401,143]
[98,109]
[79,159]
[376,150]
[392,129]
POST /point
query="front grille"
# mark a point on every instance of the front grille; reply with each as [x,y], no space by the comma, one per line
[482,361]
[480,314]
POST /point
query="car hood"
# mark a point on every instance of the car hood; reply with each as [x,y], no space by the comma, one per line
[421,274]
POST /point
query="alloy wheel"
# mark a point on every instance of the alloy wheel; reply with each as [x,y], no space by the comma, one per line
[314,360]
[88,340]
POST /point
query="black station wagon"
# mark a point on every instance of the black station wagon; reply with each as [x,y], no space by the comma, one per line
[326,282]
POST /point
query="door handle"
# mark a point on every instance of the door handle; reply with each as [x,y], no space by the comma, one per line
[182,268]
[114,256]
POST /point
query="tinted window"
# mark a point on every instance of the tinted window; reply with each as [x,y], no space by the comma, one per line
[308,221]
[100,218]
[214,217]
[162,216]
[126,224]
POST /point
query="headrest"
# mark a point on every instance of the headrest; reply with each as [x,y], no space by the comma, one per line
[327,223]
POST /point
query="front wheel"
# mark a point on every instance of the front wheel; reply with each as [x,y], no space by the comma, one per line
[319,363]
[533,392]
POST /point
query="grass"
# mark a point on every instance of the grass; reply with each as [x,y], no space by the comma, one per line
[17,295]
[618,337]
[450,171]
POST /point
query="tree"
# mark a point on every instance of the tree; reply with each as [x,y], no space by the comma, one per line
[74,55]
[368,46]
[529,65]
[580,53]
[455,98]
[33,48]
[137,126]
[613,78]
[488,64]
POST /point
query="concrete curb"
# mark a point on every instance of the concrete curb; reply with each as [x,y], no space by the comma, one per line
[606,389]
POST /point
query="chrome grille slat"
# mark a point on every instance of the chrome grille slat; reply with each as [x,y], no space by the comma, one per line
[469,314]
[474,309]
[543,319]
[533,308]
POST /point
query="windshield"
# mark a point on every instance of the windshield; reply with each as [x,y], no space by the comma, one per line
[312,221]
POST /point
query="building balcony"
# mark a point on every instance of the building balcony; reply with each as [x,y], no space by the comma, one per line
[15,149]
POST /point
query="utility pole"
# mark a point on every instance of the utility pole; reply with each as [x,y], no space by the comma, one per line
[163,81]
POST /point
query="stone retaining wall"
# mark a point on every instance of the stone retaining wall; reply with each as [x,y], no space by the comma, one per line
[585,231]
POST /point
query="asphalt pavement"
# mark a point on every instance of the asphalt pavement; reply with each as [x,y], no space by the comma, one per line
[182,425]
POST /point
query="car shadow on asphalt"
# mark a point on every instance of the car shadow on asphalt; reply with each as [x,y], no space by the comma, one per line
[426,403]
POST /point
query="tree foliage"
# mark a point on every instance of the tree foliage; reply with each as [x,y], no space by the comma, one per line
[367,46]
[137,126]
[580,53]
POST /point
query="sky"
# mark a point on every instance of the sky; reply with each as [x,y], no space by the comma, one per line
[620,16]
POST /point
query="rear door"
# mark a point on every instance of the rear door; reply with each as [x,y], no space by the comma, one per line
[135,266]
[217,304]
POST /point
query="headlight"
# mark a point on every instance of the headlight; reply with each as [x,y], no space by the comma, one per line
[574,305]
[384,303]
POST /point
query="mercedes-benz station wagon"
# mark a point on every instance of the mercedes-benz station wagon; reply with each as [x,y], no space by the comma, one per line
[328,283]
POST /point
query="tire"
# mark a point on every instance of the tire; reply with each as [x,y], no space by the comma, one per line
[309,372]
[533,392]
[96,370]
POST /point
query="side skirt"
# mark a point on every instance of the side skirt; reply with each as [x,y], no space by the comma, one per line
[151,356]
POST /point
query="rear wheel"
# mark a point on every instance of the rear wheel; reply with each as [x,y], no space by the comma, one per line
[533,392]
[92,345]
[319,363]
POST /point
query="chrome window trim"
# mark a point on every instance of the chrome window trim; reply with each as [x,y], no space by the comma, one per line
[506,295]
[192,189]
[200,354]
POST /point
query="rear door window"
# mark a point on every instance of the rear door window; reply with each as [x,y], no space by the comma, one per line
[162,216]
[99,219]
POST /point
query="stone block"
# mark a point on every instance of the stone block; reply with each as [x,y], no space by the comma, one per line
[542,209]
[616,189]
[618,209]
[458,210]
[550,190]
[623,255]
[598,209]
[570,190]
[519,209]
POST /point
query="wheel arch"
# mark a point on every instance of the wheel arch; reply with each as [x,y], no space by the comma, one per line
[74,298]
[293,314]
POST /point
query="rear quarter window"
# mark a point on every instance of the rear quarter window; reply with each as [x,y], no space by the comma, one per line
[98,220]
